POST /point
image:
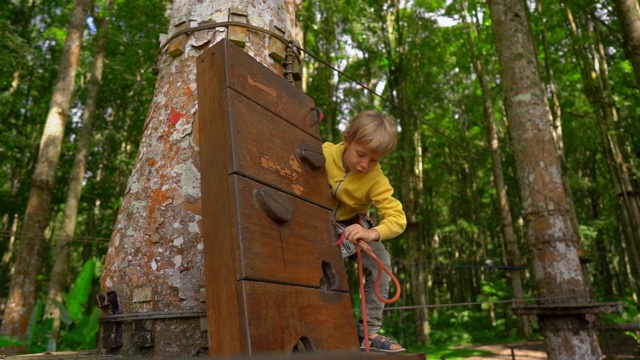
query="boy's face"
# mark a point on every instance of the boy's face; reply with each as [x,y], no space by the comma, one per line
[358,159]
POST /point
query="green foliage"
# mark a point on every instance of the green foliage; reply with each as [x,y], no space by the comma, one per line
[15,51]
[80,292]
[79,321]
[34,337]
[630,314]
[449,353]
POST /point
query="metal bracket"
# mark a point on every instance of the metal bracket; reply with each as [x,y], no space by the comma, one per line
[111,332]
[568,315]
[238,34]
[142,334]
[277,49]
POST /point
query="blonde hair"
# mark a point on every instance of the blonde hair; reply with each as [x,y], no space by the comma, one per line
[377,132]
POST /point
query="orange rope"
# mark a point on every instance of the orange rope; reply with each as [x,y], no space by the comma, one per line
[363,308]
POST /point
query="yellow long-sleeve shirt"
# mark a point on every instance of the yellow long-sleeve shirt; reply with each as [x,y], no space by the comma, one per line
[355,194]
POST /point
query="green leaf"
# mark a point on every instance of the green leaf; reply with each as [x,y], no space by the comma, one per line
[36,314]
[64,312]
[91,329]
[10,341]
[80,292]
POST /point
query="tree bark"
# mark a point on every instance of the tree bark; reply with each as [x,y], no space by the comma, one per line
[550,233]
[629,16]
[29,255]
[59,271]
[556,130]
[155,257]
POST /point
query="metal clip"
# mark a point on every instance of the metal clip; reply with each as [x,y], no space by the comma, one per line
[347,248]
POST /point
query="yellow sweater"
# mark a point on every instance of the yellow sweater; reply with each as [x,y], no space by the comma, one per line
[355,194]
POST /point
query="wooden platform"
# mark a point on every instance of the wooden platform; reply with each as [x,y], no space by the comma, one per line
[93,355]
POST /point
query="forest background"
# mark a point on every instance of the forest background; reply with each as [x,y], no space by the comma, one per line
[431,64]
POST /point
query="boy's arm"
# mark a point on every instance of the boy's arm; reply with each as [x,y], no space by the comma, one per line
[393,221]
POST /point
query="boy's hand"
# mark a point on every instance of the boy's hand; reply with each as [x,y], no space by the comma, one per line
[356,232]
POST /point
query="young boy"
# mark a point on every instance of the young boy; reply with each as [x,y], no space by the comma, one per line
[357,182]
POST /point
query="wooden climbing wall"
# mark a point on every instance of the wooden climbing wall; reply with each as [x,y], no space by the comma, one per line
[274,279]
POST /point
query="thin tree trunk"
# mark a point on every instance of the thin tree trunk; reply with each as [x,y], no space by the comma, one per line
[603,245]
[621,155]
[550,233]
[76,179]
[629,15]
[22,291]
[9,232]
[10,228]
[629,270]
[155,259]
[596,90]
[512,254]
[410,145]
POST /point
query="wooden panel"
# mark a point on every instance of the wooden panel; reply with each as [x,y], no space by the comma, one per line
[279,316]
[219,256]
[292,252]
[251,124]
[267,149]
[266,88]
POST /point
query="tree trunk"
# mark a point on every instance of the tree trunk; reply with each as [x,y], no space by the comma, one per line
[629,16]
[67,229]
[512,254]
[550,233]
[155,258]
[9,231]
[22,291]
[556,130]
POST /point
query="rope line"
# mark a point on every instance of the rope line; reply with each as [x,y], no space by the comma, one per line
[513,301]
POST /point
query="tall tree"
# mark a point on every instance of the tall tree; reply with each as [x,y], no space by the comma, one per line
[629,15]
[22,291]
[550,233]
[557,130]
[512,253]
[60,267]
[155,258]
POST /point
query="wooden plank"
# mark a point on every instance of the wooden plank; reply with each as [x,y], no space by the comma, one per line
[279,316]
[267,149]
[334,355]
[248,77]
[58,355]
[219,256]
[271,91]
[290,253]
